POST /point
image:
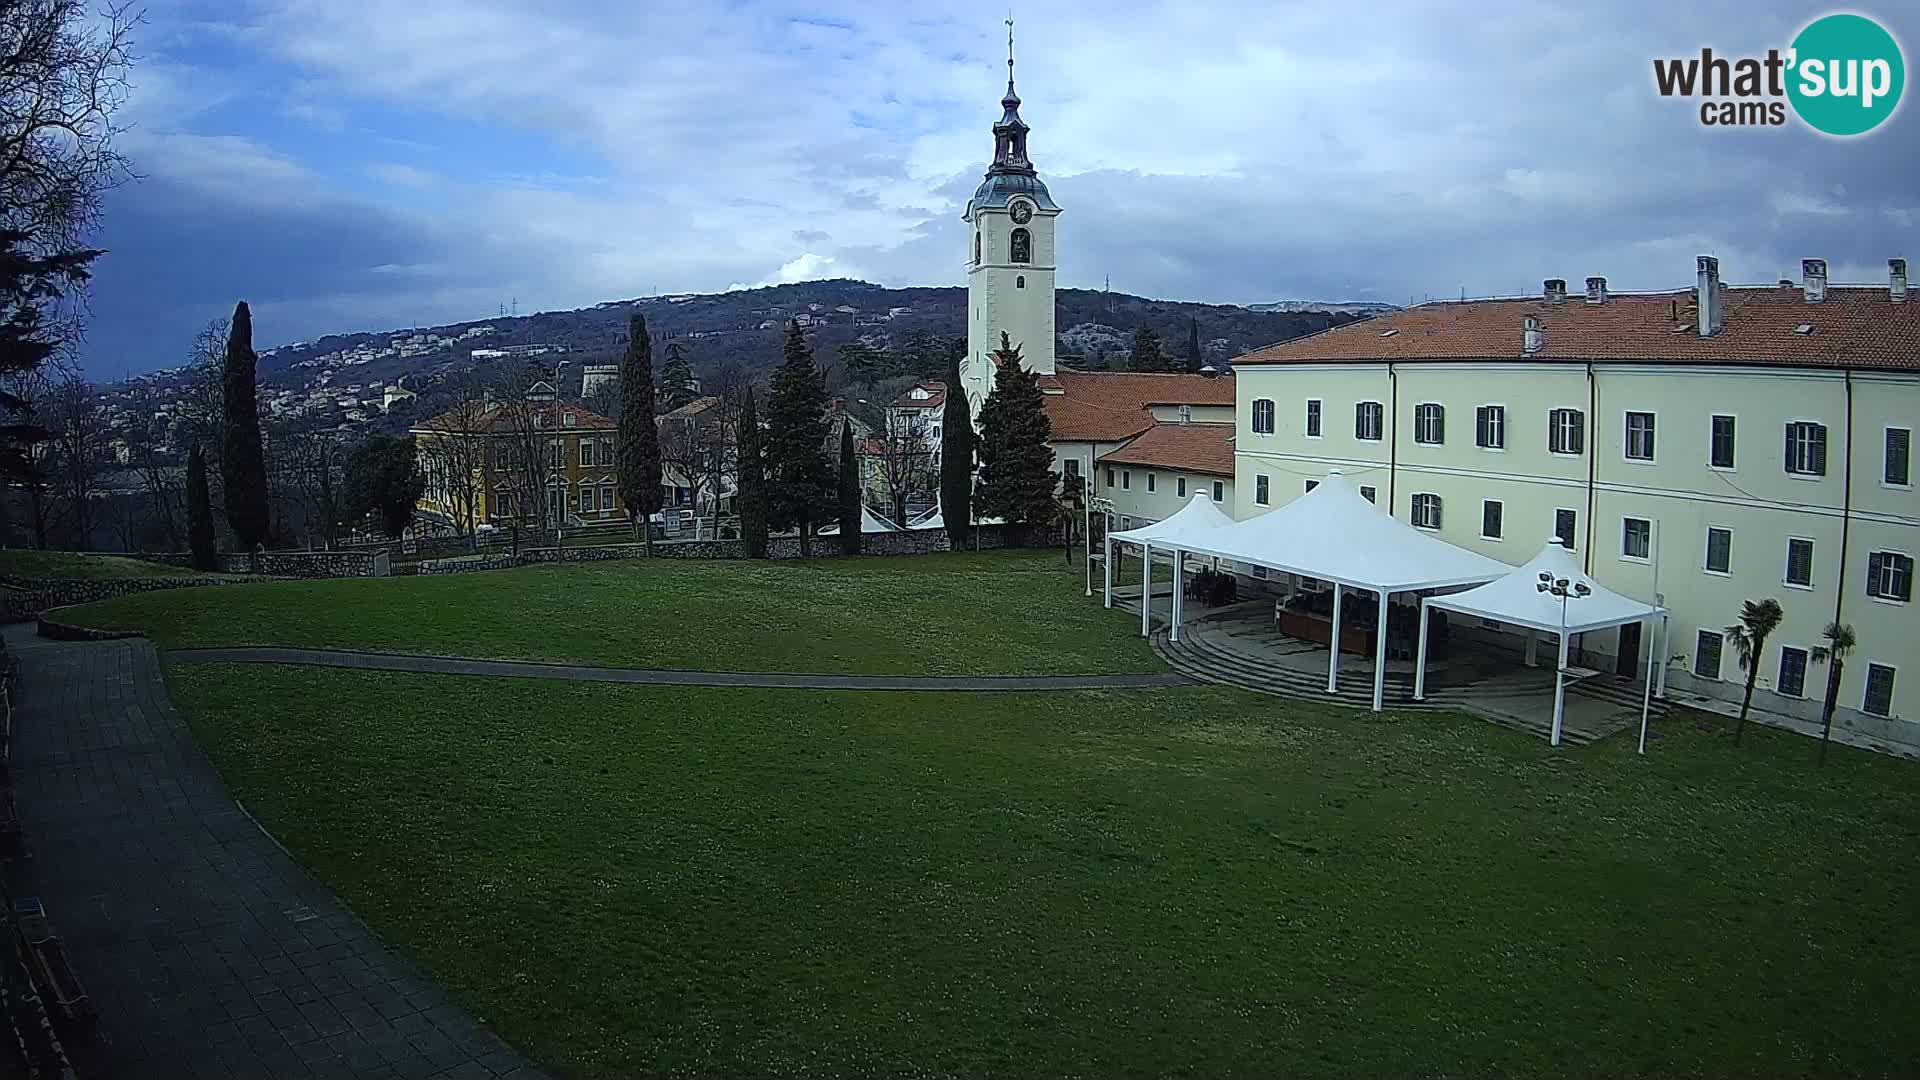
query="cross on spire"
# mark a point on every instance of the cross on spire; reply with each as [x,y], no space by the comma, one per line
[1010,134]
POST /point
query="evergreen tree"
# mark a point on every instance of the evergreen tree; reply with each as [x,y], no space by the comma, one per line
[199,511]
[31,287]
[800,481]
[243,464]
[956,458]
[750,494]
[1195,358]
[850,500]
[677,385]
[1016,462]
[1147,355]
[639,437]
[383,479]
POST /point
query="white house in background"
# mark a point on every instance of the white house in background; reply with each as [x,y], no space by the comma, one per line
[594,376]
[1742,442]
[919,409]
[1152,476]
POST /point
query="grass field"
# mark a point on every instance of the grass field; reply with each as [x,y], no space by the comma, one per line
[631,880]
[76,564]
[1013,612]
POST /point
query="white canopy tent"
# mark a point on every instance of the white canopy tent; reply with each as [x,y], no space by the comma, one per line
[1550,594]
[870,522]
[1200,517]
[1335,534]
[937,519]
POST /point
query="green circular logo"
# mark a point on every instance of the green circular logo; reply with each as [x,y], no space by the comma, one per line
[1846,74]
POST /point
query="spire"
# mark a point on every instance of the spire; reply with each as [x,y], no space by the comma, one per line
[1010,133]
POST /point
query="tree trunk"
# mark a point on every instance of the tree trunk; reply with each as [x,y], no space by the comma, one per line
[649,536]
[1753,673]
[1826,710]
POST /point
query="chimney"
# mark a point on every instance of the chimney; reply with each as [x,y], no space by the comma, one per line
[1531,340]
[1596,290]
[1706,294]
[1786,283]
[1897,280]
[1813,273]
[1555,290]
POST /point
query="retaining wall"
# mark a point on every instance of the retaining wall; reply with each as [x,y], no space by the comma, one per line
[26,598]
[904,542]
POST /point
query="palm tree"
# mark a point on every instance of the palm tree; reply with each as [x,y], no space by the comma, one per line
[1749,640]
[1840,643]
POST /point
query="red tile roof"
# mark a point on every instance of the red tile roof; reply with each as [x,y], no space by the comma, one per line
[1200,448]
[937,392]
[1855,326]
[499,420]
[1108,406]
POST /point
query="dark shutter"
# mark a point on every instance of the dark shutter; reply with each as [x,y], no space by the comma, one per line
[1876,563]
[1439,424]
[1788,458]
[1898,444]
[1819,450]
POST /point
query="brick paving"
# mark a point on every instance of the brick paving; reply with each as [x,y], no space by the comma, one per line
[205,949]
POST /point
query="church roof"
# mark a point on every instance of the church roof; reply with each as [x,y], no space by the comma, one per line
[999,188]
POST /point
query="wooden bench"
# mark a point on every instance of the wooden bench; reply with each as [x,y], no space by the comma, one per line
[46,961]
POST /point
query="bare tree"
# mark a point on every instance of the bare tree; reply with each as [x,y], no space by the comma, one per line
[147,454]
[311,462]
[79,447]
[528,455]
[904,450]
[455,462]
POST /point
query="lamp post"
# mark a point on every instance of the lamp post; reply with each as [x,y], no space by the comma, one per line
[1564,589]
[560,466]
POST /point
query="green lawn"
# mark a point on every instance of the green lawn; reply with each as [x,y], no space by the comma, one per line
[26,562]
[631,880]
[1014,612]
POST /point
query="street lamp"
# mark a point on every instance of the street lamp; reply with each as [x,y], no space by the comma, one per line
[1565,590]
[560,466]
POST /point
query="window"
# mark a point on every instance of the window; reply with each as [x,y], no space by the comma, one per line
[568,419]
[1706,655]
[1566,431]
[1126,479]
[1369,493]
[1022,246]
[1639,436]
[1180,487]
[606,497]
[1564,522]
[1367,421]
[1636,538]
[1020,282]
[1260,491]
[1311,484]
[976,248]
[1890,576]
[1263,416]
[1800,562]
[1149,480]
[1490,427]
[1879,699]
[586,500]
[1720,456]
[1895,473]
[1313,418]
[1072,467]
[586,453]
[1806,449]
[1109,476]
[1491,511]
[1719,549]
[1186,414]
[1429,423]
[1792,681]
[1426,511]
[1219,491]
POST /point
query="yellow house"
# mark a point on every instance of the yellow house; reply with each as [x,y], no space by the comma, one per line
[496,464]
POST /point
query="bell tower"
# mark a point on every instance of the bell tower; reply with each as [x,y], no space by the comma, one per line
[1010,255]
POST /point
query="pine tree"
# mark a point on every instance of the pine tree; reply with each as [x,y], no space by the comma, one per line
[800,481]
[750,493]
[1147,355]
[1016,462]
[1195,358]
[677,385]
[243,465]
[199,511]
[956,458]
[850,501]
[639,438]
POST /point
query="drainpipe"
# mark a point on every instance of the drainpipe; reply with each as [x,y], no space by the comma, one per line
[1593,456]
[1393,431]
[1846,505]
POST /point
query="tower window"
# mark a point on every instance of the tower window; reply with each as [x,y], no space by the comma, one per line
[1022,246]
[976,247]
[1020,282]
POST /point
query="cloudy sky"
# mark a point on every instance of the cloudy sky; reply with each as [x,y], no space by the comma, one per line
[371,164]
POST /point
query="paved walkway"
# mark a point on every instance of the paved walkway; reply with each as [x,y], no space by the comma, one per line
[455,665]
[206,951]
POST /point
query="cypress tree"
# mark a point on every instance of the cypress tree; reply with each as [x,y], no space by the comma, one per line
[850,501]
[800,481]
[750,492]
[639,437]
[243,465]
[199,511]
[676,378]
[1016,464]
[1195,360]
[956,459]
[1147,355]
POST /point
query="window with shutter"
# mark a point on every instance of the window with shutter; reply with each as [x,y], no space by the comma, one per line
[1896,472]
[1426,511]
[1800,562]
[1879,697]
[1806,449]
[1563,527]
[1429,424]
[1719,550]
[1890,576]
[1720,452]
[1792,681]
[1491,513]
[1313,418]
[1490,427]
[1706,655]
[1566,431]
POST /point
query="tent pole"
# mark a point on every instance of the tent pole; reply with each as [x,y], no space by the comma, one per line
[1559,688]
[1146,590]
[1666,650]
[1420,660]
[1333,645]
[1646,691]
[1106,566]
[1179,570]
[1380,655]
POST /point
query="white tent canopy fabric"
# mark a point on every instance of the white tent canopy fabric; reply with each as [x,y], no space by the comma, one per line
[870,522]
[1516,598]
[1191,523]
[1335,534]
[937,519]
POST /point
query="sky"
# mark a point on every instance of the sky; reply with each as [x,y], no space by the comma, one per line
[350,165]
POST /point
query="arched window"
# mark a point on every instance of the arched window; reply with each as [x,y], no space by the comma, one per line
[1020,282]
[976,247]
[1022,246]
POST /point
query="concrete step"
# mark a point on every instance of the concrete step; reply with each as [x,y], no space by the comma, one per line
[1355,685]
[1210,666]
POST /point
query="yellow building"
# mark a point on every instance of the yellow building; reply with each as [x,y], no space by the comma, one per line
[530,462]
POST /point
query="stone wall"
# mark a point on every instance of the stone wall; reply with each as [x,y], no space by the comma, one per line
[26,598]
[904,542]
[290,564]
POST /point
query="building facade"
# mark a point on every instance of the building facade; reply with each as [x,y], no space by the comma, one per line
[1734,443]
[533,462]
